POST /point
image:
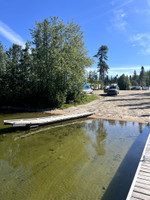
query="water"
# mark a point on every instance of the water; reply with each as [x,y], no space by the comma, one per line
[82,159]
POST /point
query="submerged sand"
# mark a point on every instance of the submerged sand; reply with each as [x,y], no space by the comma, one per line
[127,106]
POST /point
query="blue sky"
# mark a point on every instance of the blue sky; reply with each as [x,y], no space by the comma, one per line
[122,25]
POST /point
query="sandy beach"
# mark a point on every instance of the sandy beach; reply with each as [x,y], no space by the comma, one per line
[127,106]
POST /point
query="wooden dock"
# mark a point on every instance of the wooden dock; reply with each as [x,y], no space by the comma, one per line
[34,122]
[140,188]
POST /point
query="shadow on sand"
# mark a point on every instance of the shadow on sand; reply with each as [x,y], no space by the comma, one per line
[119,187]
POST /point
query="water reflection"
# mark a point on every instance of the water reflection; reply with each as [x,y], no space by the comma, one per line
[99,131]
[115,122]
[140,127]
[123,123]
[66,161]
[112,122]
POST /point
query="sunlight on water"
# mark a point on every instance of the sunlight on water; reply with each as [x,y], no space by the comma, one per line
[73,160]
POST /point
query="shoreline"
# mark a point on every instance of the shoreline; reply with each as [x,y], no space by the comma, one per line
[129,105]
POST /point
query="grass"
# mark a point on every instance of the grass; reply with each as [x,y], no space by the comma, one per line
[89,99]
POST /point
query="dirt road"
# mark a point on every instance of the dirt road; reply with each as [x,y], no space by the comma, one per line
[127,106]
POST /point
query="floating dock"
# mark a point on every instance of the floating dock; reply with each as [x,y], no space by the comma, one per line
[140,188]
[35,122]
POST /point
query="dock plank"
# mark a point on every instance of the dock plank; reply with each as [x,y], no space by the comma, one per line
[142,181]
[45,120]
[140,196]
[142,185]
[143,177]
[140,188]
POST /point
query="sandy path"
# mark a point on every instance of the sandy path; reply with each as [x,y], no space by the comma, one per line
[127,106]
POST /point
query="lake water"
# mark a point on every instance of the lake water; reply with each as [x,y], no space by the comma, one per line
[82,159]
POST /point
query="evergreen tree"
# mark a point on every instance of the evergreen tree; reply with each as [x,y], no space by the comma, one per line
[3,62]
[59,61]
[26,74]
[124,82]
[12,76]
[135,79]
[142,77]
[147,78]
[48,74]
[102,65]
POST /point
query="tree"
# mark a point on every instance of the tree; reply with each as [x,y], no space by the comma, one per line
[124,82]
[147,78]
[142,77]
[49,71]
[3,62]
[93,79]
[59,61]
[26,74]
[102,65]
[135,79]
[12,76]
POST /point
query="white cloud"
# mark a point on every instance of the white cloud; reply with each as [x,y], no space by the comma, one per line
[140,37]
[114,8]
[9,34]
[123,15]
[125,4]
[133,45]
[112,3]
[142,11]
[118,20]
[142,40]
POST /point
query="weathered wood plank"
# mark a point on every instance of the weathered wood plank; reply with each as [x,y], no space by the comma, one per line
[143,170]
[144,174]
[147,182]
[140,196]
[146,164]
[143,177]
[142,191]
[142,186]
[134,198]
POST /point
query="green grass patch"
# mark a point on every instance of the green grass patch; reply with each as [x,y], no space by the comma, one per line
[88,99]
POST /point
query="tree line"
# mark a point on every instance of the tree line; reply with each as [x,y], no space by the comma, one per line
[49,70]
[100,77]
[124,82]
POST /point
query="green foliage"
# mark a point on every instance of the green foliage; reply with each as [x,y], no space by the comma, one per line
[93,79]
[102,65]
[147,78]
[86,99]
[124,82]
[49,71]
[134,83]
[142,77]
